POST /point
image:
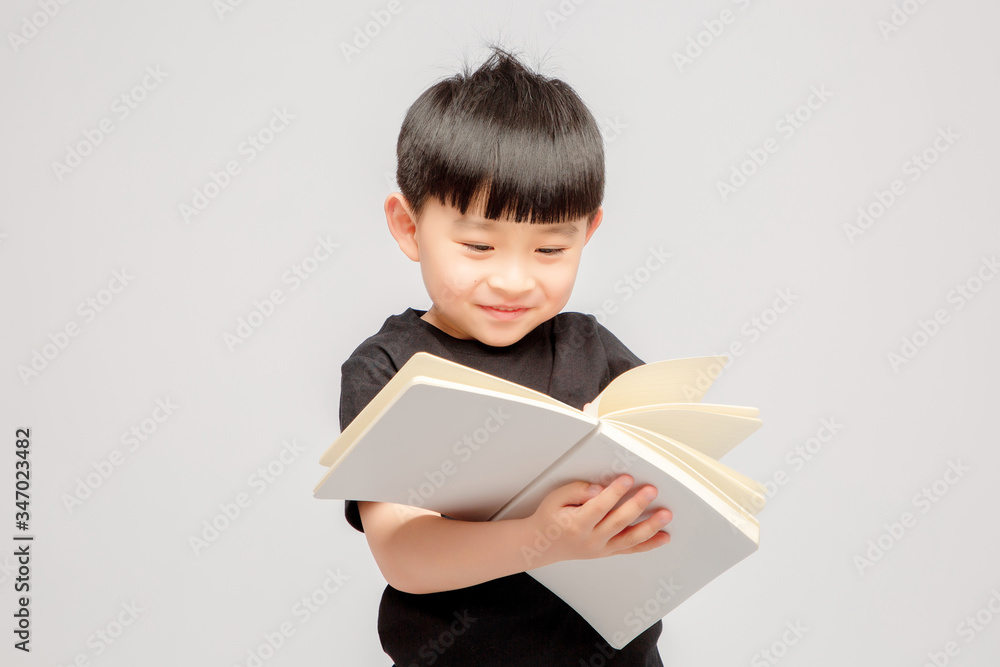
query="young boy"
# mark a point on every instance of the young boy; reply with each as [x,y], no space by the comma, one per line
[501,173]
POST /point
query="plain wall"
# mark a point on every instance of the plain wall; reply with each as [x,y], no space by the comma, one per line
[873,370]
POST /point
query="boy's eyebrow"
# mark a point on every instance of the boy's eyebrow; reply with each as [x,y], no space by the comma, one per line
[563,229]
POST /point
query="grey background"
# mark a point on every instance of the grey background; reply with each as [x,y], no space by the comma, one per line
[672,134]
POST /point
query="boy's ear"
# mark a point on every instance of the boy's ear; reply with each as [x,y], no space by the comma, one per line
[402,224]
[594,225]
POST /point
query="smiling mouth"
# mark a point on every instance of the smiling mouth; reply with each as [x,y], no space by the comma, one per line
[504,313]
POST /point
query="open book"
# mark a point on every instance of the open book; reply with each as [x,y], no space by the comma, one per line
[472,446]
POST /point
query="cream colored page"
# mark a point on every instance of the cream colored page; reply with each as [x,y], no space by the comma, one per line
[735,410]
[670,381]
[736,488]
[711,433]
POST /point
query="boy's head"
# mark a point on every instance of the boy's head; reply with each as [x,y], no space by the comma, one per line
[501,173]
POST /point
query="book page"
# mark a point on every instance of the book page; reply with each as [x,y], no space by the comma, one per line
[711,433]
[736,488]
[671,381]
[735,410]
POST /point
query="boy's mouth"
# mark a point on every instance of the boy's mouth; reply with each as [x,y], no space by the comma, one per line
[504,313]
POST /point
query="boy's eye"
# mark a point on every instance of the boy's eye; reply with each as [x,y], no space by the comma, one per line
[480,248]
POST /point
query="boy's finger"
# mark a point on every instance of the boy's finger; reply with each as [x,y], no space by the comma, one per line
[598,507]
[658,539]
[575,493]
[643,536]
[621,518]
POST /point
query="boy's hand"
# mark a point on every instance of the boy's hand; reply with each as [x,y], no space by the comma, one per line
[578,522]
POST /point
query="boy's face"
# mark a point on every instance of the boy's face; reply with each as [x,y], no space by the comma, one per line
[472,267]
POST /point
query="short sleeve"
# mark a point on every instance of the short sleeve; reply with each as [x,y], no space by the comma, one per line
[620,358]
[362,377]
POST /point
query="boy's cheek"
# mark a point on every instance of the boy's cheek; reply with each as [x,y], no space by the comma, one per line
[563,283]
[455,285]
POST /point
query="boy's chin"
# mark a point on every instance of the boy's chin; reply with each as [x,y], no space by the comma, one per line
[503,334]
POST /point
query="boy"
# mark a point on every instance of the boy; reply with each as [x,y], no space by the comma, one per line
[501,173]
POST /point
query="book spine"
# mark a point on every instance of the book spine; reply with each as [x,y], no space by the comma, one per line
[505,511]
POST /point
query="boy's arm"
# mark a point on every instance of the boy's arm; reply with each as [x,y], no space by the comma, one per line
[419,551]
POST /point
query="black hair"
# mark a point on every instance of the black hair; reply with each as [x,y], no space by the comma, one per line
[521,145]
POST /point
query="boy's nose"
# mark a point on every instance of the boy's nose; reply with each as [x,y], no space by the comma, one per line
[512,278]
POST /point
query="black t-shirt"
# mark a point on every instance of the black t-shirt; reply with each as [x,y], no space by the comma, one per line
[512,620]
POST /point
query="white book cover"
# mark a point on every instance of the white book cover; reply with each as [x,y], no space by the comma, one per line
[461,451]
